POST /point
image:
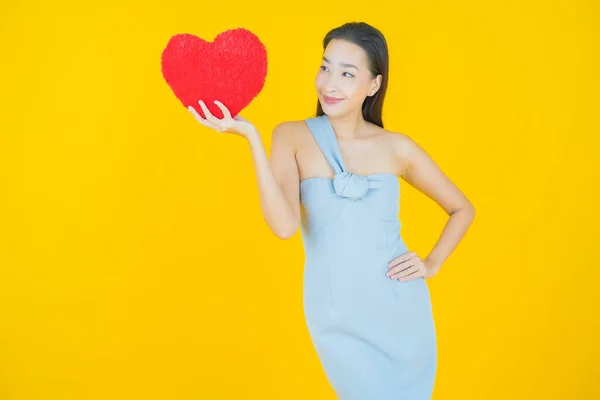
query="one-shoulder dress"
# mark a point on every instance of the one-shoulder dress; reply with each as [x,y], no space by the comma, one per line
[375,337]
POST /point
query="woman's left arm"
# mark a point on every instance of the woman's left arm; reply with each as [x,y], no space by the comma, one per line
[421,172]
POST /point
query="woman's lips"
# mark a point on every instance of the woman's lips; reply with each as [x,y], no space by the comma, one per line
[331,100]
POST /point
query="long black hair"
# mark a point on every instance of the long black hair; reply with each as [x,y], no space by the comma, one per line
[372,41]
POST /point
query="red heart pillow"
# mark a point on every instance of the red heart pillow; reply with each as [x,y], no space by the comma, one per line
[231,69]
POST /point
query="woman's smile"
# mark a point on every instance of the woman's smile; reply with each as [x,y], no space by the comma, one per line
[331,100]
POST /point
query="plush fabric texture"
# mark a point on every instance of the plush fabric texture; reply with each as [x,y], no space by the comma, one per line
[231,69]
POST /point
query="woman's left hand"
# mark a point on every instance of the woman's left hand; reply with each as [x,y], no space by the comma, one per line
[410,266]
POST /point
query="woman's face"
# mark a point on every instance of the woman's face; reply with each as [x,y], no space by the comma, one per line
[344,80]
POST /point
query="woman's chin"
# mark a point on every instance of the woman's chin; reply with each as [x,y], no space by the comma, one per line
[332,109]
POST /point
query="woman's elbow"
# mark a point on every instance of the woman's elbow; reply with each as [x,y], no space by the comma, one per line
[288,230]
[285,234]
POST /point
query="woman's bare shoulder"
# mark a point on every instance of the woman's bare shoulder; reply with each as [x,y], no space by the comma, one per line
[290,125]
[399,140]
[393,135]
[290,131]
[401,144]
[288,134]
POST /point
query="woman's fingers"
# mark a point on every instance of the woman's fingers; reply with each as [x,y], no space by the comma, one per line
[412,275]
[414,271]
[208,114]
[405,267]
[402,258]
[396,272]
[197,116]
[227,124]
[225,110]
[204,122]
[404,273]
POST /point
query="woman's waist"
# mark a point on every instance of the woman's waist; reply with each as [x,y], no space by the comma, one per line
[343,249]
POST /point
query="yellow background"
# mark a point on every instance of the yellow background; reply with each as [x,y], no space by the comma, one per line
[135,263]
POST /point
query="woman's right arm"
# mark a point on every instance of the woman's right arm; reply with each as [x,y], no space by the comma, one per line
[278,180]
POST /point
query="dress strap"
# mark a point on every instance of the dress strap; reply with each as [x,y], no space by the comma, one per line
[346,184]
[324,135]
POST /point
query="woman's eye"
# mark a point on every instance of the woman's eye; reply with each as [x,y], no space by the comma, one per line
[323,67]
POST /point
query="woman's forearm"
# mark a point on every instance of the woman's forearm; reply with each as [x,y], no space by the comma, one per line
[453,232]
[277,211]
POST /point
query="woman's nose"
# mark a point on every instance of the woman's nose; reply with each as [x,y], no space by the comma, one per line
[331,85]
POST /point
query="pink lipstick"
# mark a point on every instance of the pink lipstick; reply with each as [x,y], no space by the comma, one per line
[331,100]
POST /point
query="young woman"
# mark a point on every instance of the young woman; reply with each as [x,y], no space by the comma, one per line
[335,176]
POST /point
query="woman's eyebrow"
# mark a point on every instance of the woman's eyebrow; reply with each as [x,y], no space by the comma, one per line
[342,64]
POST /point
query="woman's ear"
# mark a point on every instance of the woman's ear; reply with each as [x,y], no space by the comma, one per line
[375,86]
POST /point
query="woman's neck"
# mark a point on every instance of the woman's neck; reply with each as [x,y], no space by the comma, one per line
[348,126]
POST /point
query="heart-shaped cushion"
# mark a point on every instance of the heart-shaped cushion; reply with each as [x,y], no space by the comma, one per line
[231,69]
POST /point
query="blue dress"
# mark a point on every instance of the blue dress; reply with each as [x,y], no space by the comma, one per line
[375,337]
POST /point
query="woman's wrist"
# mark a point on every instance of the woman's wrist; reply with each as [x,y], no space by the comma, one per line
[253,136]
[432,265]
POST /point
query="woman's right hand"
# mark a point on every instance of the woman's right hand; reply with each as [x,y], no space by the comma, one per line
[238,124]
